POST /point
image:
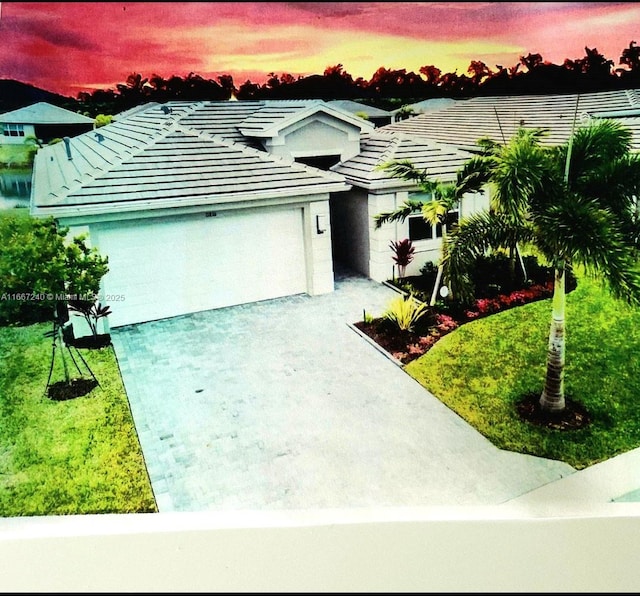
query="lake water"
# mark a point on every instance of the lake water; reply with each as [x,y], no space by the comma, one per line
[15,187]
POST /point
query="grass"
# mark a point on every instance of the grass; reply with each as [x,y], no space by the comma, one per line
[482,369]
[78,456]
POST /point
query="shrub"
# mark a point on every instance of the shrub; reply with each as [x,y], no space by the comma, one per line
[38,266]
[103,120]
[430,270]
[445,323]
[405,312]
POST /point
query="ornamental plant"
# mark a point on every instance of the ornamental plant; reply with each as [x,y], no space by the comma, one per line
[403,251]
[405,312]
[91,311]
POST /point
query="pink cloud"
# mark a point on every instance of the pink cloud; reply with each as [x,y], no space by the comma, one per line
[62,45]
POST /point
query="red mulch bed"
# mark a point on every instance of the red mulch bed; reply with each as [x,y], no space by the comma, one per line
[404,346]
[407,346]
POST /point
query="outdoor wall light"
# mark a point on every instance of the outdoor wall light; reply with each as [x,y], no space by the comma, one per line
[321,223]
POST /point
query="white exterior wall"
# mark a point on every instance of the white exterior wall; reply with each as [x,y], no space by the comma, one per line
[380,262]
[29,130]
[319,260]
[319,135]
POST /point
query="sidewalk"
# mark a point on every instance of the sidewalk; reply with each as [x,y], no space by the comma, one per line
[614,480]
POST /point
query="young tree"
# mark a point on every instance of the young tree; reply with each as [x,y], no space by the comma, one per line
[576,200]
[38,265]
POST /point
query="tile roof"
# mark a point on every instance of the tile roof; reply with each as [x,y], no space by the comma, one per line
[162,158]
[354,107]
[44,113]
[277,115]
[440,161]
[462,123]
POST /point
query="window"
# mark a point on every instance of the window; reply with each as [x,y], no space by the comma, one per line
[13,130]
[322,162]
[419,229]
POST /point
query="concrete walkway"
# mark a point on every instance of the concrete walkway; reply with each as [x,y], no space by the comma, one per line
[281,405]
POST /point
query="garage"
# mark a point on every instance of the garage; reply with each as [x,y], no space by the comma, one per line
[192,214]
[162,267]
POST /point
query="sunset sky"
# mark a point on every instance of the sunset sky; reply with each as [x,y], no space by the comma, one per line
[69,47]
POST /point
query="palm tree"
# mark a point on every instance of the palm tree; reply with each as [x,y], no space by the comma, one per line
[574,205]
[445,196]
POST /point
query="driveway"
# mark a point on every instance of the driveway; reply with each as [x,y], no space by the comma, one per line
[281,405]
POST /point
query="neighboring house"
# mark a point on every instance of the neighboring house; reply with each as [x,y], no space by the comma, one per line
[42,121]
[463,122]
[190,208]
[201,205]
[374,115]
[422,107]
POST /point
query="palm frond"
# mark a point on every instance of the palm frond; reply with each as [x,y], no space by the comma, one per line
[578,231]
[473,175]
[592,146]
[405,210]
[520,173]
[435,211]
[614,184]
[404,169]
[474,236]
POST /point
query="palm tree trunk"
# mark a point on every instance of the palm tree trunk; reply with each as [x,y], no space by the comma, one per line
[524,269]
[436,286]
[552,399]
[512,264]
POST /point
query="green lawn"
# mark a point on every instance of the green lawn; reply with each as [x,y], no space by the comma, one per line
[483,368]
[65,457]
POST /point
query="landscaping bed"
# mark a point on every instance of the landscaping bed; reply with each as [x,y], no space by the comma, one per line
[494,289]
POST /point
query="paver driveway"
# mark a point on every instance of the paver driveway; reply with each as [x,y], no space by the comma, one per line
[280,404]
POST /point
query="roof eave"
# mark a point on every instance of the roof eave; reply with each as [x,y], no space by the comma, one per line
[128,206]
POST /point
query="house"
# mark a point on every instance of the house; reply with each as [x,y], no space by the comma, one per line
[356,240]
[200,205]
[463,122]
[42,121]
[440,140]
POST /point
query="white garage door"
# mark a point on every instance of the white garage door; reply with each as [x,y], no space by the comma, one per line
[166,267]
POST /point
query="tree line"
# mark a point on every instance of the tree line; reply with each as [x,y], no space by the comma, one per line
[387,88]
